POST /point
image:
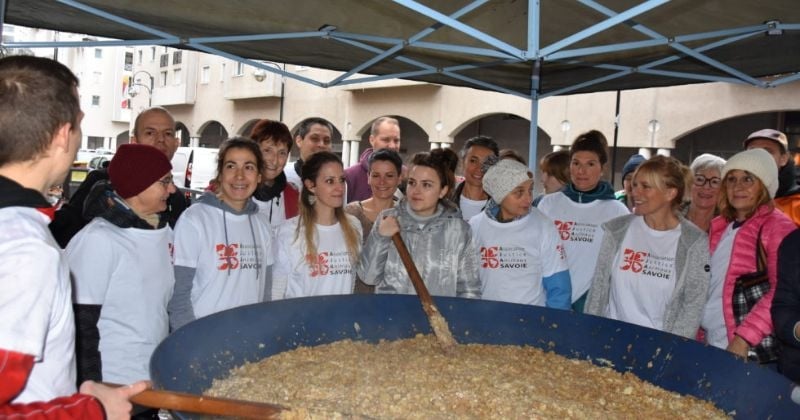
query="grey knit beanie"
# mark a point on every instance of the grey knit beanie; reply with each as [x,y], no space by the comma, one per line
[759,163]
[502,177]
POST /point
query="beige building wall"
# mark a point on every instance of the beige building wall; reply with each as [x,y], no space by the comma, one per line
[650,119]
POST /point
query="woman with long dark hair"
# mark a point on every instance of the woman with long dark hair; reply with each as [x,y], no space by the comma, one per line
[317,251]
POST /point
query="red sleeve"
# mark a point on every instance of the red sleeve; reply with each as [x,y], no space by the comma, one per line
[14,370]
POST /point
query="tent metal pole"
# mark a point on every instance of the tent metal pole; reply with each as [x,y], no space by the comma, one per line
[534,130]
[2,18]
[616,138]
[534,13]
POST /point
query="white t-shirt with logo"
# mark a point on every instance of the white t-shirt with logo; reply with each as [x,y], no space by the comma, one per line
[579,226]
[515,256]
[643,275]
[713,318]
[129,272]
[470,208]
[231,270]
[330,272]
[36,315]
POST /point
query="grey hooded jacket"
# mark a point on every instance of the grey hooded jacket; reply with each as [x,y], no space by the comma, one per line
[685,307]
[441,248]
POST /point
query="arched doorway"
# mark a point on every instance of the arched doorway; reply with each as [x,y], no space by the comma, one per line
[413,138]
[247,127]
[182,133]
[212,135]
[123,138]
[508,130]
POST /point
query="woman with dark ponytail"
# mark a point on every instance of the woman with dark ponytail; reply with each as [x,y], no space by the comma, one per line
[317,251]
[439,240]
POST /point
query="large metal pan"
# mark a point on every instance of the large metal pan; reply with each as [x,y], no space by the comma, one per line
[189,359]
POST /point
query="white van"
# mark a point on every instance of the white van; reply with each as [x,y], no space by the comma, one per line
[194,167]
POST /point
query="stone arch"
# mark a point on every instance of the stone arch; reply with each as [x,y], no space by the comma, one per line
[724,137]
[212,134]
[247,127]
[510,131]
[413,138]
[182,133]
[123,138]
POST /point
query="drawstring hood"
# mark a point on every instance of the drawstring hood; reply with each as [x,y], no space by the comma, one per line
[250,208]
[603,191]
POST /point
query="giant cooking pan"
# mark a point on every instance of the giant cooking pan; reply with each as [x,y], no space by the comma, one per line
[189,359]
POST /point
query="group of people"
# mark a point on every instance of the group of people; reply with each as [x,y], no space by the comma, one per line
[705,251]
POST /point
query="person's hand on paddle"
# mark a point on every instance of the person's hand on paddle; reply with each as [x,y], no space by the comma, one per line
[115,400]
[389,226]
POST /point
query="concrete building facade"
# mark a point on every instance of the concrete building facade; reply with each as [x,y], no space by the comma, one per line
[214,98]
[104,74]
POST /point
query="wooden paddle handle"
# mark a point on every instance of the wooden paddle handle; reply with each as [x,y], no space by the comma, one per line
[191,403]
[411,268]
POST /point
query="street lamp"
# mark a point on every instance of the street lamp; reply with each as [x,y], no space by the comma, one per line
[133,91]
[260,75]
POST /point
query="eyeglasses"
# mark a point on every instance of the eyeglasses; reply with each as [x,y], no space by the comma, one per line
[746,180]
[713,182]
[166,181]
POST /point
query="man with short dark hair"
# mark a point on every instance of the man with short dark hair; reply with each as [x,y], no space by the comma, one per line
[384,134]
[469,195]
[787,199]
[154,127]
[311,136]
[40,135]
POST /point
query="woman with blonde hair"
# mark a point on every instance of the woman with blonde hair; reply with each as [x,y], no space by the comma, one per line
[652,269]
[317,250]
[744,241]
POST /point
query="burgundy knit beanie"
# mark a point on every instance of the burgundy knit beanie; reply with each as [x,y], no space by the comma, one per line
[135,167]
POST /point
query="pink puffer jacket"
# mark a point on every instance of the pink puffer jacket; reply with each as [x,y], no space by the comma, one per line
[758,323]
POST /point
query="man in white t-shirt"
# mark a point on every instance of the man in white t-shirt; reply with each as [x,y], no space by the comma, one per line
[469,195]
[40,120]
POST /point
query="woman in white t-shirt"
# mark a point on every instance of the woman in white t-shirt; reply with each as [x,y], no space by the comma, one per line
[522,258]
[316,251]
[121,264]
[652,268]
[580,208]
[223,244]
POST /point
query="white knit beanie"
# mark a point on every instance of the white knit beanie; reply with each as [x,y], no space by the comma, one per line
[502,177]
[759,163]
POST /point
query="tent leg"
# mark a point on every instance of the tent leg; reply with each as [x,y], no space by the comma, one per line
[534,130]
[2,17]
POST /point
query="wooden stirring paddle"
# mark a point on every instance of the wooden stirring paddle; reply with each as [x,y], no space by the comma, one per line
[202,404]
[437,321]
